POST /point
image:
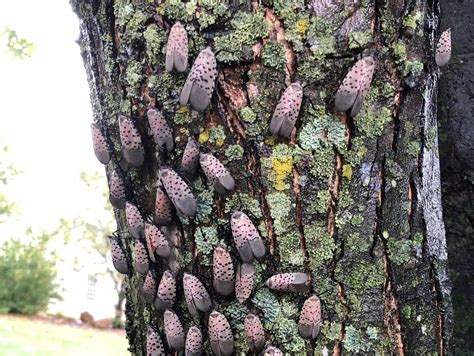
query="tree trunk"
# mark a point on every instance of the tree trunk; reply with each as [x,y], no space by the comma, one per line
[354,202]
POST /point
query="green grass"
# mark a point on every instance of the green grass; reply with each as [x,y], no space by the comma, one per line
[22,336]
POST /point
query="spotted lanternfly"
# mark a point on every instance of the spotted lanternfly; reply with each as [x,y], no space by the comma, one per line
[134,221]
[132,147]
[223,271]
[190,159]
[173,330]
[273,351]
[244,281]
[289,282]
[220,334]
[197,298]
[310,318]
[156,242]
[160,129]
[119,258]
[193,342]
[162,208]
[254,331]
[177,49]
[355,85]
[101,147]
[116,190]
[287,110]
[141,258]
[154,345]
[166,293]
[149,287]
[200,82]
[443,49]
[246,237]
[216,173]
[178,192]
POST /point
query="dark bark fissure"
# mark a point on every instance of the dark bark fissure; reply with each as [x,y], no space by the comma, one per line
[382,287]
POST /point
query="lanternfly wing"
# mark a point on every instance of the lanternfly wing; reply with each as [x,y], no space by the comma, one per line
[190,159]
[141,258]
[177,49]
[178,192]
[246,237]
[223,271]
[244,281]
[101,148]
[134,221]
[149,287]
[132,146]
[354,87]
[310,318]
[220,335]
[287,110]
[160,129]
[197,298]
[116,190]
[254,331]
[365,85]
[166,293]
[443,49]
[162,208]
[216,173]
[156,242]
[289,282]
[119,258]
[200,82]
[273,351]
[154,345]
[193,342]
[174,331]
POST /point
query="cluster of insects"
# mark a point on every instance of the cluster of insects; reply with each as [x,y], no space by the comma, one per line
[160,240]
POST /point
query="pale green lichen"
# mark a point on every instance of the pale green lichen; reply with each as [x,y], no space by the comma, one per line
[321,129]
[273,55]
[359,39]
[268,303]
[247,114]
[234,152]
[237,45]
[286,335]
[217,135]
[412,20]
[319,244]
[354,340]
[210,11]
[206,239]
[154,41]
[134,78]
[178,10]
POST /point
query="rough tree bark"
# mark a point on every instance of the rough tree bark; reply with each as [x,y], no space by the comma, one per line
[354,202]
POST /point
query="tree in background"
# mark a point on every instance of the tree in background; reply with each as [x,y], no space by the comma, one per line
[353,202]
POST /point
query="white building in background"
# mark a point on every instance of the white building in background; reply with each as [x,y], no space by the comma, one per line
[85,286]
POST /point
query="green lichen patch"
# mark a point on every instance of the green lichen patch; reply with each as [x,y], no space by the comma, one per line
[206,239]
[273,55]
[361,277]
[268,303]
[154,41]
[234,152]
[359,39]
[287,336]
[178,10]
[237,45]
[374,116]
[319,244]
[134,78]
[210,12]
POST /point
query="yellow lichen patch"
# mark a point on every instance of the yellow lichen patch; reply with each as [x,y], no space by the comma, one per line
[182,110]
[219,142]
[270,141]
[302,25]
[281,167]
[347,171]
[203,137]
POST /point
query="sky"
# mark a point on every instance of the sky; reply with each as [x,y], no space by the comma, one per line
[45,116]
